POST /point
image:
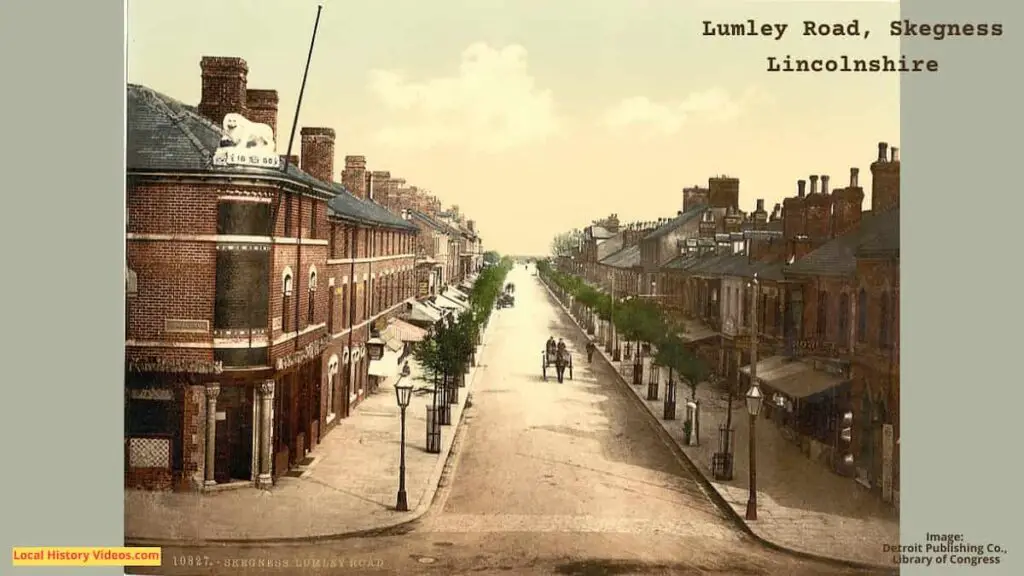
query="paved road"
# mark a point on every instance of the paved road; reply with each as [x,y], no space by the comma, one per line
[546,478]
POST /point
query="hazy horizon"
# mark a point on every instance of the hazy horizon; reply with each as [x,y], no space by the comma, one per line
[536,117]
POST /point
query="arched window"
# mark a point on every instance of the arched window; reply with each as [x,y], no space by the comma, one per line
[862,316]
[286,298]
[332,384]
[884,320]
[312,296]
[822,314]
[844,319]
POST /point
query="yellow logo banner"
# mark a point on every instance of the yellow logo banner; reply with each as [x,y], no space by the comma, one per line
[85,556]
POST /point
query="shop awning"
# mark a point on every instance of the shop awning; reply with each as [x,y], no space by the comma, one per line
[406,332]
[419,312]
[456,294]
[386,367]
[765,366]
[697,333]
[445,302]
[795,379]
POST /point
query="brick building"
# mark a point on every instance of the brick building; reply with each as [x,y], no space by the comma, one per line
[827,306]
[251,291]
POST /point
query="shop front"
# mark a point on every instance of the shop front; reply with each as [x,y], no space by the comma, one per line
[809,402]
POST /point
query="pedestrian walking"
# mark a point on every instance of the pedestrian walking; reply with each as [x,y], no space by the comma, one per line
[591,348]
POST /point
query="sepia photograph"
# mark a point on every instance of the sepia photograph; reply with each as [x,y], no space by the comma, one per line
[510,288]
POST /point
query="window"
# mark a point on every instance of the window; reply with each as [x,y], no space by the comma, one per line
[330,309]
[748,301]
[312,297]
[287,214]
[884,321]
[762,313]
[131,283]
[344,306]
[332,383]
[286,296]
[844,319]
[862,316]
[822,314]
[331,242]
[312,219]
[366,300]
[777,315]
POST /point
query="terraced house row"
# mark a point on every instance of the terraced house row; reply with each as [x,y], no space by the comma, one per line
[826,302]
[253,287]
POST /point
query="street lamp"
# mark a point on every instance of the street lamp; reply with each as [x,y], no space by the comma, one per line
[403,393]
[754,400]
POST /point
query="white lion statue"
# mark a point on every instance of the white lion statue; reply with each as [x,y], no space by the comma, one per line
[242,133]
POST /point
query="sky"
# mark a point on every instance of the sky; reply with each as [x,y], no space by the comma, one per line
[535,116]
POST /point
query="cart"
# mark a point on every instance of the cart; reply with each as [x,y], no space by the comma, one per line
[559,361]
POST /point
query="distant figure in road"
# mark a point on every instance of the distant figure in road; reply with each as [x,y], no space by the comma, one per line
[561,346]
[591,348]
[550,346]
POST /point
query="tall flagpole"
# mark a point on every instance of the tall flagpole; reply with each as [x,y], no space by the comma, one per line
[302,90]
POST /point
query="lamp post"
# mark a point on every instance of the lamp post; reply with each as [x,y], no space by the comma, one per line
[754,399]
[403,393]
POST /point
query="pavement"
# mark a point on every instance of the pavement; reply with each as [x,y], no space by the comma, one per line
[544,478]
[802,506]
[350,487]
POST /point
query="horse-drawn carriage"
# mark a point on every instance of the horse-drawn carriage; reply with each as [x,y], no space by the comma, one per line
[560,358]
[506,300]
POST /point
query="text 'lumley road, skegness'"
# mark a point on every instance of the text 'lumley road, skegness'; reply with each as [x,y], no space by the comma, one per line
[776,30]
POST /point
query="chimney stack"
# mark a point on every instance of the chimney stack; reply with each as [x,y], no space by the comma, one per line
[794,212]
[885,180]
[818,217]
[379,186]
[846,208]
[224,82]
[760,205]
[262,107]
[293,160]
[353,177]
[776,212]
[318,153]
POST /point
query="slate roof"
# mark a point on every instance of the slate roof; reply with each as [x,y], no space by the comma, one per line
[599,232]
[676,222]
[165,135]
[886,240]
[839,256]
[434,223]
[625,258]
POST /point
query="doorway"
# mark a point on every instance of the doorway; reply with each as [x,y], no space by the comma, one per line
[233,450]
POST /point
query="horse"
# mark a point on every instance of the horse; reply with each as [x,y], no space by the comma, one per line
[561,361]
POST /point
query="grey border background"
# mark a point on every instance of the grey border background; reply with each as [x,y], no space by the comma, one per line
[61,420]
[961,390]
[60,417]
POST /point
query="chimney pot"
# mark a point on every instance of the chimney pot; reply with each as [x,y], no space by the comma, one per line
[824,184]
[882,148]
[854,172]
[814,183]
[801,187]
[895,155]
[760,204]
